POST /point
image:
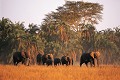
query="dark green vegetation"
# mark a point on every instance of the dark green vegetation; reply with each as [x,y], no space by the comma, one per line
[68,30]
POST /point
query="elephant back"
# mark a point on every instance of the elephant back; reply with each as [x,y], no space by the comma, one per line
[63,58]
[17,54]
[39,57]
[44,57]
[57,61]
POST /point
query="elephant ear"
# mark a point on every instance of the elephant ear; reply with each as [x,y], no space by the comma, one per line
[97,54]
[51,55]
[92,54]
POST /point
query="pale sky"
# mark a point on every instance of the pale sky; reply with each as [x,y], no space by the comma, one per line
[33,11]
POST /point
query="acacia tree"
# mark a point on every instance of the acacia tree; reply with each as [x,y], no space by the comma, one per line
[66,25]
[77,14]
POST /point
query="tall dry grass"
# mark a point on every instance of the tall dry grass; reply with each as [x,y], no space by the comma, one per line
[21,72]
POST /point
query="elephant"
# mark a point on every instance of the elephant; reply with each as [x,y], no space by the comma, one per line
[70,60]
[47,59]
[66,60]
[86,58]
[57,61]
[44,59]
[21,57]
[49,62]
[96,56]
[39,59]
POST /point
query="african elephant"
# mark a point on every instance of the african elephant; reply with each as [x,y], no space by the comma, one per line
[85,58]
[20,57]
[44,59]
[96,56]
[39,59]
[47,58]
[57,61]
[66,60]
[49,62]
[70,60]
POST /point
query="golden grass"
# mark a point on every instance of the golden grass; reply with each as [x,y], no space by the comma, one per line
[21,72]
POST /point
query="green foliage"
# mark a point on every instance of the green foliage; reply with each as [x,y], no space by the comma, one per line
[14,37]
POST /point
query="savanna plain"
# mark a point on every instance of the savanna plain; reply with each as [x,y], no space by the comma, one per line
[35,72]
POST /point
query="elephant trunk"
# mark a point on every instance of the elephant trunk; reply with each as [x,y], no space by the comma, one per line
[97,62]
[27,61]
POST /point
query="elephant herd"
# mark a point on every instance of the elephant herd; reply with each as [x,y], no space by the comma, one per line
[48,59]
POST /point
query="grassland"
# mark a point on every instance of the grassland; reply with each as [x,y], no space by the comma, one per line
[21,72]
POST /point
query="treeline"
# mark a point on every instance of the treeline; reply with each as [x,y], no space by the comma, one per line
[69,30]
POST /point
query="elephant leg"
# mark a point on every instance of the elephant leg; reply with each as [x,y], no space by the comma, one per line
[55,64]
[44,63]
[62,63]
[28,61]
[86,64]
[91,63]
[38,62]
[97,62]
[14,62]
[72,61]
[17,62]
[81,64]
[22,62]
[94,62]
[58,64]
[67,64]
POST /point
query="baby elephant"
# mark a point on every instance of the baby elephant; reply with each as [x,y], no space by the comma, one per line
[66,60]
[57,61]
